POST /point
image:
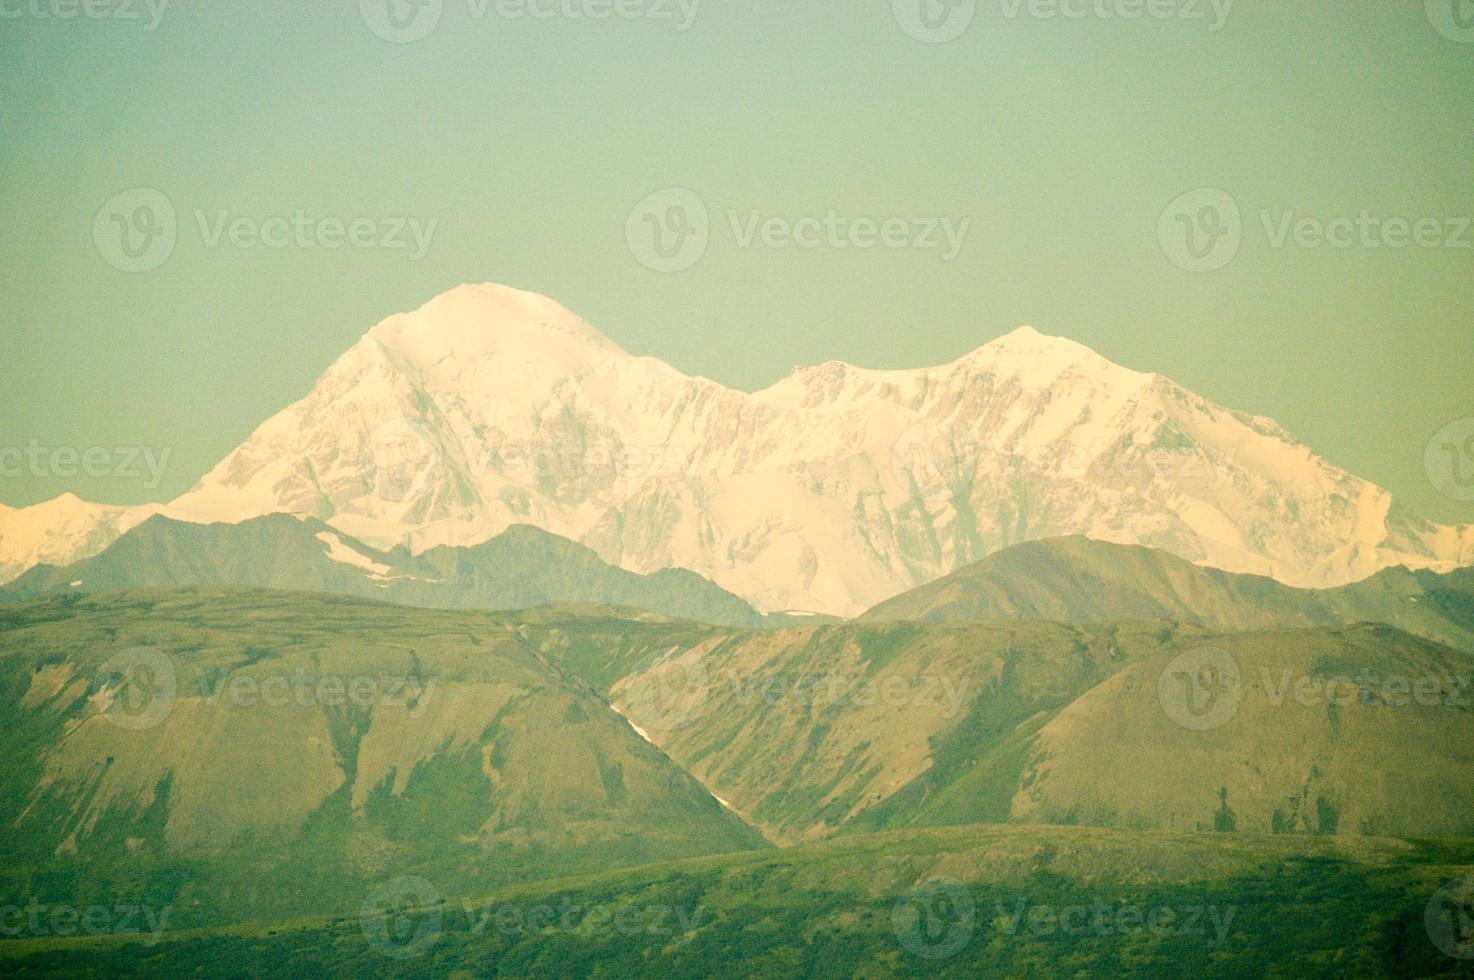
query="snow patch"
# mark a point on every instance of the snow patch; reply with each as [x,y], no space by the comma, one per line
[340,552]
[638,730]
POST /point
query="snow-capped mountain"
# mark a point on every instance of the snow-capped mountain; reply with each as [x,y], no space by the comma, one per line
[830,491]
[61,530]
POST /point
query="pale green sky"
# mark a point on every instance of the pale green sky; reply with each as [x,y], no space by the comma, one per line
[530,140]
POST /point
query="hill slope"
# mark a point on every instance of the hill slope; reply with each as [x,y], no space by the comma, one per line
[1078,580]
[241,759]
[808,732]
[1355,730]
[208,746]
[521,567]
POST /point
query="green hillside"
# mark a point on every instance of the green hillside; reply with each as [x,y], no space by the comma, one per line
[961,902]
[808,732]
[804,730]
[251,754]
[1305,749]
[264,765]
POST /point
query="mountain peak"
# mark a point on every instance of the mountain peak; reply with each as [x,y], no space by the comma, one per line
[1039,360]
[66,502]
[1022,333]
[1026,338]
[480,322]
[491,406]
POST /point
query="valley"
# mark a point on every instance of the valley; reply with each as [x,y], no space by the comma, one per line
[199,746]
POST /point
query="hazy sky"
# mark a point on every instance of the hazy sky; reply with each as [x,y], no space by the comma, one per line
[1059,140]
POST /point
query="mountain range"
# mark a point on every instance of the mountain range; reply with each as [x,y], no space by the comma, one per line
[207,744]
[831,491]
[521,567]
[500,615]
[1072,580]
[1077,580]
[188,740]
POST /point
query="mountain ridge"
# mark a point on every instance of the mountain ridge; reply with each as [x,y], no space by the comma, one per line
[522,567]
[1079,580]
[828,491]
